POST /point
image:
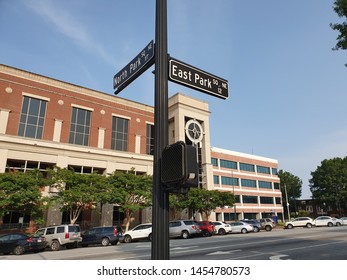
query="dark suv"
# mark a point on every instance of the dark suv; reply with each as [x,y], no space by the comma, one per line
[207,228]
[101,236]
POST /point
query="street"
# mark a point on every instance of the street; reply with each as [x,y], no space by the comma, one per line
[323,243]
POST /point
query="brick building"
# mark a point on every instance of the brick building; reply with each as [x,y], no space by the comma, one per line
[45,122]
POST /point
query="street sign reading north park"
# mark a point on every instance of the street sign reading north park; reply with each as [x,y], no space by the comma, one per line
[134,68]
[195,78]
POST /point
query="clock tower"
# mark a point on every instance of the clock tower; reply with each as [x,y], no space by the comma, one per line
[189,122]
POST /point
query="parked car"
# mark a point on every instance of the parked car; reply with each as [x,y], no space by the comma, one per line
[337,222]
[241,227]
[267,223]
[183,228]
[19,243]
[344,220]
[142,231]
[255,223]
[101,235]
[326,221]
[299,222]
[207,228]
[62,235]
[221,228]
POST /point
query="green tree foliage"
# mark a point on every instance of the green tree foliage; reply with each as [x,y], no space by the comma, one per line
[20,192]
[329,183]
[292,185]
[76,191]
[340,7]
[130,191]
[205,201]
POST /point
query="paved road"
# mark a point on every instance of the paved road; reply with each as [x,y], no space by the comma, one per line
[296,244]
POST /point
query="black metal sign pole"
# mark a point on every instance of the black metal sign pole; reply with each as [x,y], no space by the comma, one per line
[160,207]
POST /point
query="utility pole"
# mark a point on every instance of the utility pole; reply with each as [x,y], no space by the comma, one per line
[160,207]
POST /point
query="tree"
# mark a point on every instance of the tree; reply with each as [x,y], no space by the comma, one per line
[340,7]
[205,201]
[291,187]
[76,191]
[329,184]
[130,191]
[20,192]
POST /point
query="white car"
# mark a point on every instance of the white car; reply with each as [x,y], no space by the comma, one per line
[222,228]
[241,227]
[142,231]
[326,221]
[299,222]
[344,220]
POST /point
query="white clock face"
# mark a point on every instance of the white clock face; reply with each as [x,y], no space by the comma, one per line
[194,131]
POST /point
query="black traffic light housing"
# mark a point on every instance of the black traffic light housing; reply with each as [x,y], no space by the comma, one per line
[179,167]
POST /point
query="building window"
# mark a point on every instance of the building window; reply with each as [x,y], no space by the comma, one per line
[216,179]
[266,200]
[263,169]
[248,183]
[247,167]
[214,161]
[26,165]
[119,139]
[80,127]
[265,185]
[274,171]
[278,200]
[228,164]
[230,181]
[249,199]
[276,186]
[86,169]
[150,139]
[32,117]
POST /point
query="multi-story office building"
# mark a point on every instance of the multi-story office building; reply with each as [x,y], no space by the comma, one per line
[45,122]
[252,179]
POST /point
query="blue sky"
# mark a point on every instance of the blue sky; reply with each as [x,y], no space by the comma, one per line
[287,88]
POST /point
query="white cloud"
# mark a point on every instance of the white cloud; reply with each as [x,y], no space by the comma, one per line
[65,23]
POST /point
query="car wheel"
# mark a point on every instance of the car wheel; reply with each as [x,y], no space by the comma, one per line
[309,225]
[338,224]
[115,242]
[256,229]
[330,224]
[127,239]
[150,237]
[268,228]
[105,241]
[205,233]
[244,230]
[55,245]
[19,250]
[221,231]
[290,226]
[185,234]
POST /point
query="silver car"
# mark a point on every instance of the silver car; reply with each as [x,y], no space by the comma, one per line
[241,227]
[183,228]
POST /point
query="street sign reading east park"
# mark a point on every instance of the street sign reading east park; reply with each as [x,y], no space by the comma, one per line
[134,68]
[195,78]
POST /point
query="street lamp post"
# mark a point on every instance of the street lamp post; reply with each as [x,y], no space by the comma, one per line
[285,189]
